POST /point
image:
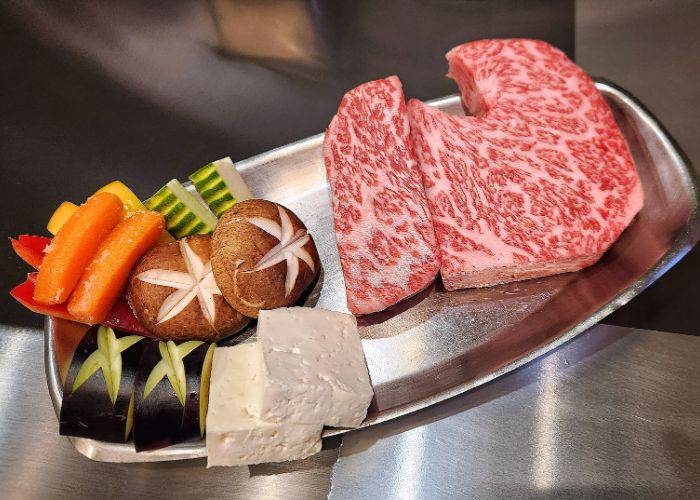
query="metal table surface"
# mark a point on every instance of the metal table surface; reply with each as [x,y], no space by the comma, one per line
[95,89]
[612,414]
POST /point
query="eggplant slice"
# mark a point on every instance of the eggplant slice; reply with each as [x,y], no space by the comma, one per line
[197,372]
[168,391]
[99,386]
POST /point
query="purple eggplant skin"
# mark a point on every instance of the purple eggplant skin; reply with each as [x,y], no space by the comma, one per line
[194,363]
[88,412]
[158,418]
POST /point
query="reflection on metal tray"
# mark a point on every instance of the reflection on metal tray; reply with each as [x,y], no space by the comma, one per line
[440,344]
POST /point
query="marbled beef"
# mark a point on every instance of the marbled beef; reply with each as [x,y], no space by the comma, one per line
[538,181]
[385,236]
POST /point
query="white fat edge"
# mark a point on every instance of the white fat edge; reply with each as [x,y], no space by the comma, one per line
[232,179]
[194,202]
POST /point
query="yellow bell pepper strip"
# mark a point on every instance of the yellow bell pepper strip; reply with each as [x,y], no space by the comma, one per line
[60,216]
[129,199]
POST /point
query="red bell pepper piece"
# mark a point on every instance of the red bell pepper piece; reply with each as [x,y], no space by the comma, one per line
[120,317]
[30,248]
[24,294]
[37,242]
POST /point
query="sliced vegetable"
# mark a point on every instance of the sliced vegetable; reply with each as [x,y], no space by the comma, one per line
[30,248]
[205,378]
[130,200]
[24,294]
[104,277]
[220,185]
[171,365]
[64,212]
[99,386]
[129,418]
[167,394]
[74,246]
[184,214]
[131,203]
[165,237]
[107,357]
[119,317]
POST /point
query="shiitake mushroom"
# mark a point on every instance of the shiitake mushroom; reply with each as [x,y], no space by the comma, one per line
[173,293]
[262,256]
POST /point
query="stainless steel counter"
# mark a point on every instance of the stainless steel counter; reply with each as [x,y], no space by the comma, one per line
[37,463]
[612,414]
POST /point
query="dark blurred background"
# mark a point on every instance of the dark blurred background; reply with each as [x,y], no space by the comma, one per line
[147,91]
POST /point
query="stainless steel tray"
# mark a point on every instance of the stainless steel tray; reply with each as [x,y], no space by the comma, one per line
[439,344]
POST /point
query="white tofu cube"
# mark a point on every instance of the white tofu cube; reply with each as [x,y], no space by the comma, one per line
[234,436]
[315,368]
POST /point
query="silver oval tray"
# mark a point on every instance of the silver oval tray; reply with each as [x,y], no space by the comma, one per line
[438,344]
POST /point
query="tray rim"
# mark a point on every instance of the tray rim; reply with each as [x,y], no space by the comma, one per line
[686,238]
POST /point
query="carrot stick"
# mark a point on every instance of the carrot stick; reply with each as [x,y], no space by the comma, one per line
[106,274]
[120,317]
[74,246]
[23,294]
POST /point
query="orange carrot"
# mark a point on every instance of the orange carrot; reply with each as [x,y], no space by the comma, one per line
[74,246]
[105,276]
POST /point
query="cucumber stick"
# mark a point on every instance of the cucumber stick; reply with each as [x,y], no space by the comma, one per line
[220,185]
[184,214]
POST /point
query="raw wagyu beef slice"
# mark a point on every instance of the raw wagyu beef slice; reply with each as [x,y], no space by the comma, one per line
[538,181]
[385,237]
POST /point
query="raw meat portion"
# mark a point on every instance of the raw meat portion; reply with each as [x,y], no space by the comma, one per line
[540,181]
[385,236]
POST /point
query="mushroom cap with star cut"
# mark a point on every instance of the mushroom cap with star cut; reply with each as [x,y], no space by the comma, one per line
[173,293]
[263,256]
